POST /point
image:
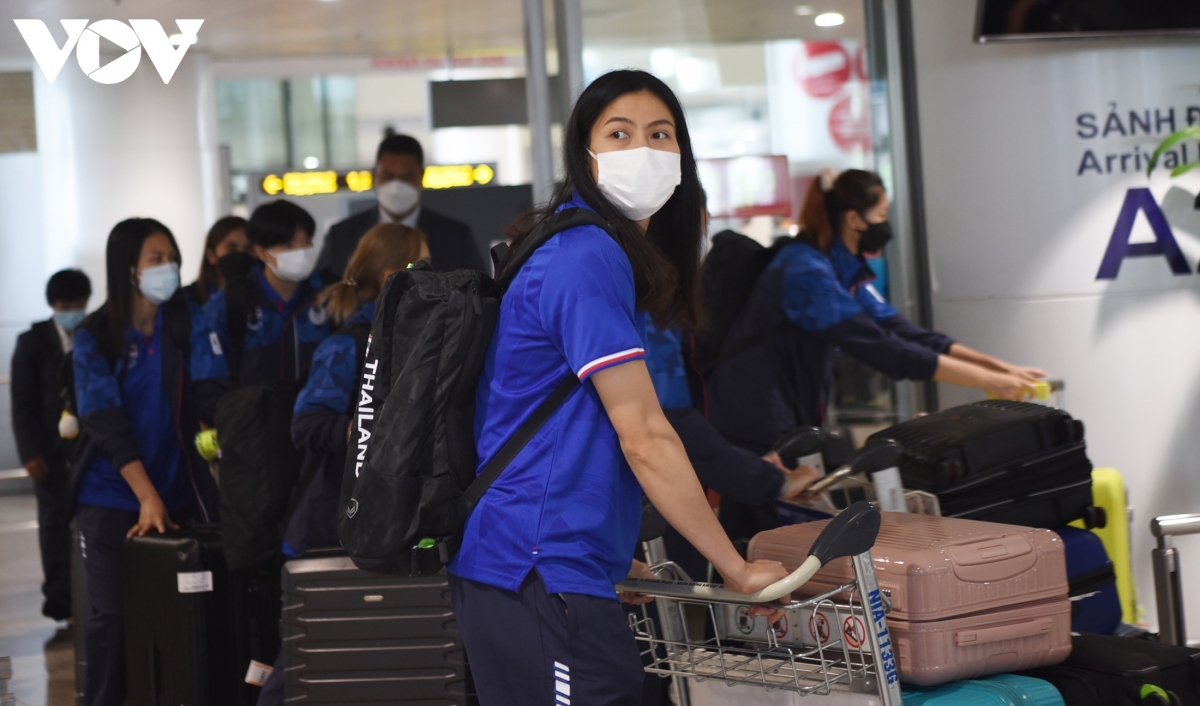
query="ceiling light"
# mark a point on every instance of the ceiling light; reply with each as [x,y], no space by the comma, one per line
[178,39]
[804,10]
[829,19]
[311,162]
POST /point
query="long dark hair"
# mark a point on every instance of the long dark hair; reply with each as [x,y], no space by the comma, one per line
[821,215]
[666,260]
[210,275]
[121,259]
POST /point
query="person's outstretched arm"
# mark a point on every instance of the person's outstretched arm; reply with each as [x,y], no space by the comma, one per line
[661,465]
[960,352]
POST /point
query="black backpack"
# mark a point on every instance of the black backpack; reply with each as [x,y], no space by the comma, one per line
[410,480]
[732,268]
[260,466]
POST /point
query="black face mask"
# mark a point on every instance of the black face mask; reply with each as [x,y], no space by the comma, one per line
[235,265]
[874,237]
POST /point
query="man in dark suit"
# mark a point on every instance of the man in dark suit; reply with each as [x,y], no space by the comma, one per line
[399,169]
[39,374]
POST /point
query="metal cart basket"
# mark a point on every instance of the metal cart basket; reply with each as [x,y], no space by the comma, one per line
[835,643]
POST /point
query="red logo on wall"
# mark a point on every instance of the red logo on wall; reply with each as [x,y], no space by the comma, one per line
[822,68]
[849,130]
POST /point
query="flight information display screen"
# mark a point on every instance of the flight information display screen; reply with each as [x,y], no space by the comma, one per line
[1004,20]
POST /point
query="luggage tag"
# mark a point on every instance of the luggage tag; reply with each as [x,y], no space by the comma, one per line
[889,490]
[194,581]
[258,673]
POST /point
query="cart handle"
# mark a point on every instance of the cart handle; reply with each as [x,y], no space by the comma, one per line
[800,442]
[852,532]
[878,456]
[1172,525]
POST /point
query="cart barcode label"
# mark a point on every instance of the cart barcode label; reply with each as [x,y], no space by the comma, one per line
[258,673]
[194,581]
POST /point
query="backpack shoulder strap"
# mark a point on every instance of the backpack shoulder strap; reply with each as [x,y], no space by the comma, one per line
[559,222]
[508,264]
[360,333]
[179,323]
[524,434]
[237,307]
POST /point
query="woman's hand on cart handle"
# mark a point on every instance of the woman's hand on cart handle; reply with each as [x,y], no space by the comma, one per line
[756,576]
[798,482]
[639,570]
[851,533]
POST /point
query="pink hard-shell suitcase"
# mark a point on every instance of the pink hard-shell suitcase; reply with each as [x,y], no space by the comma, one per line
[968,598]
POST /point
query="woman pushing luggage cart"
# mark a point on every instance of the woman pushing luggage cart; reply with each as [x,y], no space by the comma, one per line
[843,647]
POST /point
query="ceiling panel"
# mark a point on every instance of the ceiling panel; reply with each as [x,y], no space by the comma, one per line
[235,29]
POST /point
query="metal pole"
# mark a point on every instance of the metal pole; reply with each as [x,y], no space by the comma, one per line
[537,100]
[879,637]
[670,617]
[568,24]
[890,38]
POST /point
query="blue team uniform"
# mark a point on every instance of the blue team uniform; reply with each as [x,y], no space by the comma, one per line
[533,584]
[281,336]
[146,407]
[804,305]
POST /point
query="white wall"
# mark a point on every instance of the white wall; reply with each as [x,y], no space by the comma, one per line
[1017,236]
[111,152]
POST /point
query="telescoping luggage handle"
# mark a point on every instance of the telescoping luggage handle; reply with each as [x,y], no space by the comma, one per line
[851,533]
[1168,588]
[878,456]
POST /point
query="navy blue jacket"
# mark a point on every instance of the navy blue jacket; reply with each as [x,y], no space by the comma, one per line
[319,423]
[194,380]
[280,336]
[804,305]
[731,471]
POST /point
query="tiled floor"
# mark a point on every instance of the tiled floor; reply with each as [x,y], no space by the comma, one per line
[43,665]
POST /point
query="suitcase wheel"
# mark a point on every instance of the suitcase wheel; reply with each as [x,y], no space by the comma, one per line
[1095,517]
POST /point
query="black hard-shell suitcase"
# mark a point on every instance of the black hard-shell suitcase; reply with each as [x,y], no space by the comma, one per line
[998,461]
[353,637]
[1106,670]
[179,627]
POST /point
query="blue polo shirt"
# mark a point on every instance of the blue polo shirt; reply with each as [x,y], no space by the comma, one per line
[142,397]
[568,505]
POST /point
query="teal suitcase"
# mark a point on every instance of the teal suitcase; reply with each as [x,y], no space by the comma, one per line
[1000,690]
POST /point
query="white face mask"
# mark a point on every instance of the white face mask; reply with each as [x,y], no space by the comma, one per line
[397,197]
[295,265]
[159,283]
[638,181]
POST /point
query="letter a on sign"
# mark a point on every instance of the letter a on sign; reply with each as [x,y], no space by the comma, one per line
[1164,244]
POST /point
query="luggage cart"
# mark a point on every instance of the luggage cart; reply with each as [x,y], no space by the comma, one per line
[1171,626]
[830,645]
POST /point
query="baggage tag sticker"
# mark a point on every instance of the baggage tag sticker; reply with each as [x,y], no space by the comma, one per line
[258,673]
[889,490]
[194,581]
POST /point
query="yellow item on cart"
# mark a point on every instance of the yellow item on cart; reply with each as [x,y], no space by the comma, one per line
[1108,492]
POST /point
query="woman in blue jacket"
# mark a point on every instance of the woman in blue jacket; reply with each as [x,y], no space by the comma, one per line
[324,408]
[148,370]
[777,360]
[533,585]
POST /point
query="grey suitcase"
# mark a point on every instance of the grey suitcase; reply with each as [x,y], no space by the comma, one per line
[353,637]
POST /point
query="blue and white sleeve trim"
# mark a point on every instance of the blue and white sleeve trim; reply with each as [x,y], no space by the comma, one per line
[609,361]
